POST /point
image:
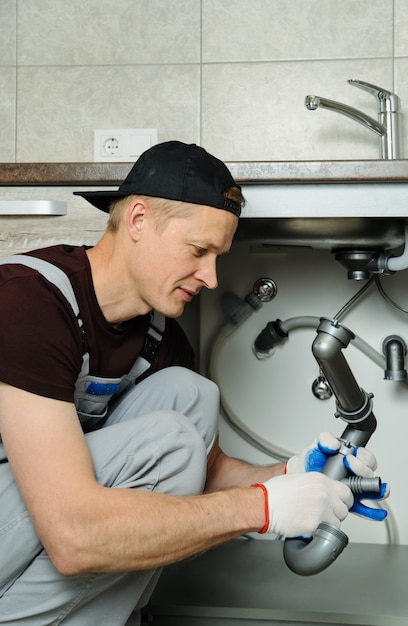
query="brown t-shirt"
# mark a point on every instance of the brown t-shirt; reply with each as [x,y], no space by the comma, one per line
[40,340]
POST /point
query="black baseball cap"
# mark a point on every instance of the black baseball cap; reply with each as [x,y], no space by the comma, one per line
[176,171]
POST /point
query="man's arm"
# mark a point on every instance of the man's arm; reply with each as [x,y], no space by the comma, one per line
[224,471]
[87,527]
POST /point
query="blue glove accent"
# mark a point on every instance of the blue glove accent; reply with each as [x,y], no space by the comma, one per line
[317,458]
[345,460]
[378,515]
[300,538]
[316,461]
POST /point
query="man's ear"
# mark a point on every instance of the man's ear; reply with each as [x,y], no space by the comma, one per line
[135,217]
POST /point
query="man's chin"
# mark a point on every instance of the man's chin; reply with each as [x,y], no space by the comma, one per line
[174,311]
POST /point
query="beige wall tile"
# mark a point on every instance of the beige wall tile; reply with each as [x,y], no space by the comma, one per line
[256,110]
[59,108]
[106,32]
[255,30]
[7,32]
[141,63]
[401,73]
[401,28]
[8,114]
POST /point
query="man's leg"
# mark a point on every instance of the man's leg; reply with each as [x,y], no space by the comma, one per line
[164,451]
[178,389]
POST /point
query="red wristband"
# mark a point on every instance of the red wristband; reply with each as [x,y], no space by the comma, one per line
[266,502]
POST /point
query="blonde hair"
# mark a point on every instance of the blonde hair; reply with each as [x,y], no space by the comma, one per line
[162,208]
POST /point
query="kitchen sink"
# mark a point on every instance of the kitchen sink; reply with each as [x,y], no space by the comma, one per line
[324,232]
[325,215]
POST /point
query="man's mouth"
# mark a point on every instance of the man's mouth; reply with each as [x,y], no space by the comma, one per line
[188,294]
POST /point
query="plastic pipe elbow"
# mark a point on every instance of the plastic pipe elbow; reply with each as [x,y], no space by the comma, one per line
[395,349]
[308,557]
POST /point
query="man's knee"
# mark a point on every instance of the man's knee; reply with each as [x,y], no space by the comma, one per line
[161,451]
[184,379]
[172,389]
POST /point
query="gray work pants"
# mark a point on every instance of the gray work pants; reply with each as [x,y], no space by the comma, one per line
[157,437]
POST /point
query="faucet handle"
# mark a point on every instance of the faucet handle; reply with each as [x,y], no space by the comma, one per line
[387,101]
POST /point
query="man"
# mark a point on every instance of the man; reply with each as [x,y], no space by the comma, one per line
[104,481]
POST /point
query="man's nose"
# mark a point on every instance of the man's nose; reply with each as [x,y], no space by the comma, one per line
[207,273]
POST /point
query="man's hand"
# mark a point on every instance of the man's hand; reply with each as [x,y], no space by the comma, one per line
[360,461]
[295,504]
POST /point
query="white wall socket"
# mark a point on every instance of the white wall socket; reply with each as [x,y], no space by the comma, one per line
[123,144]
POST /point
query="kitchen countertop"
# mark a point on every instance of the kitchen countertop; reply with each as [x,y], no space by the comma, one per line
[251,172]
[300,190]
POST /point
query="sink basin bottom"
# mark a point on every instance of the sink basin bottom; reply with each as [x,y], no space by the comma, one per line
[324,232]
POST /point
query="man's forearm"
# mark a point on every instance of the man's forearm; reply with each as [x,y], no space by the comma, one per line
[224,471]
[144,530]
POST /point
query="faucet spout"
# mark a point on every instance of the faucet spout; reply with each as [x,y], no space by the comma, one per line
[314,102]
[387,126]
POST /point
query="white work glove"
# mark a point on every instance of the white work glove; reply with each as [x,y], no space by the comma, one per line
[295,504]
[360,461]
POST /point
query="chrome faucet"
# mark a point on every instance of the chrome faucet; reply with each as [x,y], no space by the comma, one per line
[387,126]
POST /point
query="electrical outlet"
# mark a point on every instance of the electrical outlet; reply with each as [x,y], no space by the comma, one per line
[123,144]
[112,146]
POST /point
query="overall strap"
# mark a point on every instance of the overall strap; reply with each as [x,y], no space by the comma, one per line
[153,339]
[51,272]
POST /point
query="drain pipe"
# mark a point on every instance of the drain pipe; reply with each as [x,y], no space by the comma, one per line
[354,406]
[396,263]
[277,332]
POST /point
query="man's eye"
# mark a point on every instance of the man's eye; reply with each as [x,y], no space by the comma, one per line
[200,251]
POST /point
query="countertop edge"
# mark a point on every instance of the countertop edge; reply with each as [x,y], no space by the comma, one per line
[245,172]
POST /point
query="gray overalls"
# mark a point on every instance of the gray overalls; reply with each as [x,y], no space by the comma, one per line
[157,438]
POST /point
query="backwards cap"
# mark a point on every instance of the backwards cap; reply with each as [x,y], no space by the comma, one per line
[176,171]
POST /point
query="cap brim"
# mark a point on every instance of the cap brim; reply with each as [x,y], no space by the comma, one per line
[101,199]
